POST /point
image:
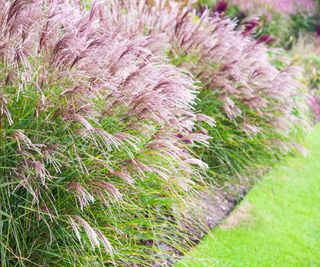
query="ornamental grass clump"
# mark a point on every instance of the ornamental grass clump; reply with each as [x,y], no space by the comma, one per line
[257,106]
[93,167]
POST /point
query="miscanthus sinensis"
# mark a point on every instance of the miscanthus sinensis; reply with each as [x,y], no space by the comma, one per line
[91,158]
[258,99]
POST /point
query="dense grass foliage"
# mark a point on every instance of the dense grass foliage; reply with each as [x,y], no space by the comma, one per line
[106,112]
[276,224]
[257,106]
[92,166]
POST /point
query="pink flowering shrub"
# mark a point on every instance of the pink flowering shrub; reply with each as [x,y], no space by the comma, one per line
[256,105]
[92,159]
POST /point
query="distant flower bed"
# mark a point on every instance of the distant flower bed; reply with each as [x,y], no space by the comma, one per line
[282,6]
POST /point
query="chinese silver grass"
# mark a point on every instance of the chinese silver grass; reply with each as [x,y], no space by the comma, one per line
[90,158]
[261,102]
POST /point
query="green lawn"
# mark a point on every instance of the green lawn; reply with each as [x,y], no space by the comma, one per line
[278,223]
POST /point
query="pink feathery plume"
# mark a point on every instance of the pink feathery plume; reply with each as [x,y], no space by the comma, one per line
[234,66]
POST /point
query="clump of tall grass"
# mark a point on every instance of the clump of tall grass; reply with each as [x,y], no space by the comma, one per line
[93,165]
[257,106]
